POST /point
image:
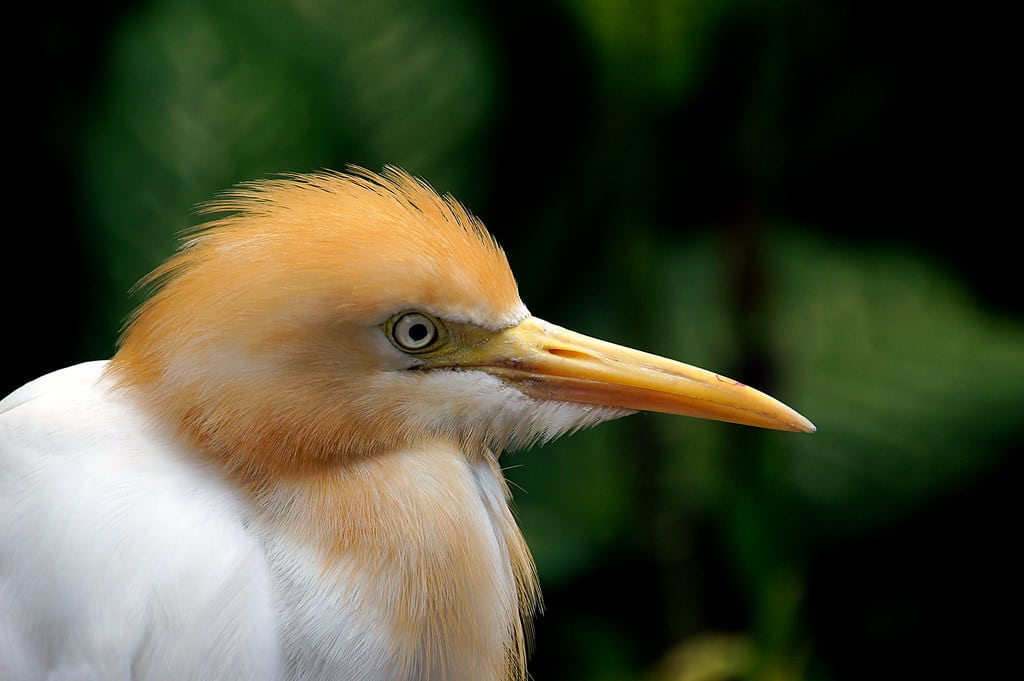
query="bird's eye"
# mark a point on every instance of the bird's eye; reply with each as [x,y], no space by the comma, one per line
[414,332]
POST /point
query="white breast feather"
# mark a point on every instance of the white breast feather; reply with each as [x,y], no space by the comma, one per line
[120,556]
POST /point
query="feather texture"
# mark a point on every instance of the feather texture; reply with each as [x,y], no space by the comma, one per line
[257,486]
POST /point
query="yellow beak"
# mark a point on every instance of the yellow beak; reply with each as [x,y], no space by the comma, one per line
[551,363]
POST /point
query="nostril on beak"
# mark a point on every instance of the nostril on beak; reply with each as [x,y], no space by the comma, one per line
[568,353]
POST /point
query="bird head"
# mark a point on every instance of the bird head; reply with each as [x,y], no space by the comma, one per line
[332,316]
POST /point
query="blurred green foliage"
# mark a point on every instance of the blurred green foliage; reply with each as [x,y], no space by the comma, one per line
[785,192]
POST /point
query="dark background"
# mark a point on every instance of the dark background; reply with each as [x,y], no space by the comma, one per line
[817,198]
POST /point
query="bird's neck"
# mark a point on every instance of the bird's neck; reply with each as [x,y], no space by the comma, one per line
[427,574]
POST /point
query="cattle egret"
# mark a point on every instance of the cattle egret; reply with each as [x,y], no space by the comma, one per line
[289,469]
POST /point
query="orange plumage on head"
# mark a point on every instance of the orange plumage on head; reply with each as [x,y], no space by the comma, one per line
[275,285]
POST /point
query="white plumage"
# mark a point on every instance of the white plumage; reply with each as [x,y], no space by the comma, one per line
[123,557]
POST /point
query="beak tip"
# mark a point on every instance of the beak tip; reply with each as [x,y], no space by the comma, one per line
[805,426]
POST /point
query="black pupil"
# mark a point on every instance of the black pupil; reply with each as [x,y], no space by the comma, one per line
[418,332]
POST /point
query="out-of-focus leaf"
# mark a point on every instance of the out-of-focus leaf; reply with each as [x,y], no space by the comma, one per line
[912,386]
[654,50]
[202,95]
[709,657]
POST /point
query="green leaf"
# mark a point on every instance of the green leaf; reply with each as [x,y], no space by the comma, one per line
[202,95]
[915,389]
